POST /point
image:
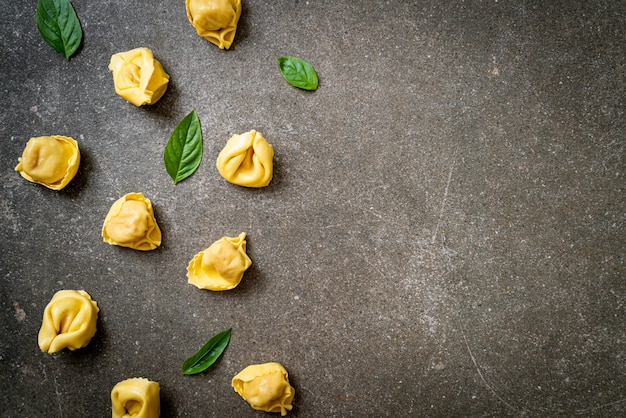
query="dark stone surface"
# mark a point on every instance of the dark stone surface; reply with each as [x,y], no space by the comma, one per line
[444,235]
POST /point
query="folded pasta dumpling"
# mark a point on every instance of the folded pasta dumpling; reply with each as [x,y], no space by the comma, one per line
[49,160]
[247,160]
[131,223]
[69,321]
[138,77]
[265,387]
[137,398]
[215,20]
[221,266]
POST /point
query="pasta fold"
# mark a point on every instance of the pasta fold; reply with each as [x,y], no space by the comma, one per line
[69,321]
[131,223]
[51,161]
[247,160]
[136,398]
[221,266]
[215,20]
[265,387]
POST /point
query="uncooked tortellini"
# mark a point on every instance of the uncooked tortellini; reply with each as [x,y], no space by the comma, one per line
[136,398]
[69,321]
[50,160]
[247,160]
[265,387]
[215,20]
[138,77]
[221,266]
[131,223]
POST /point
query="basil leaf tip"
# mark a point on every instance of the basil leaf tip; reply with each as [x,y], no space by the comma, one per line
[183,152]
[298,72]
[59,26]
[208,354]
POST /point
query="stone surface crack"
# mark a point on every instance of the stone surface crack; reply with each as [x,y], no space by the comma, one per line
[445,195]
[480,373]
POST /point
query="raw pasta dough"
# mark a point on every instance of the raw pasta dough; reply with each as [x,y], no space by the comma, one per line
[69,321]
[131,223]
[138,77]
[215,20]
[50,160]
[221,266]
[247,160]
[265,387]
[137,398]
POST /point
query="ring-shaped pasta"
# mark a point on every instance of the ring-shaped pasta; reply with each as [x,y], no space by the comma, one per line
[265,387]
[221,266]
[137,398]
[69,321]
[215,20]
[51,161]
[247,160]
[131,223]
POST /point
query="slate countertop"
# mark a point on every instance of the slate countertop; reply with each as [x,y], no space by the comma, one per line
[443,235]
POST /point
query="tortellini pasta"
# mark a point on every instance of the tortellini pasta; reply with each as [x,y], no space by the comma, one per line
[215,20]
[265,387]
[247,160]
[50,160]
[138,77]
[131,223]
[221,266]
[69,321]
[137,398]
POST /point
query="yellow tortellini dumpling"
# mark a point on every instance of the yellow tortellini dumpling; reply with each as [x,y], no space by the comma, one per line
[69,321]
[137,398]
[215,20]
[247,160]
[221,266]
[265,387]
[131,223]
[50,160]
[138,77]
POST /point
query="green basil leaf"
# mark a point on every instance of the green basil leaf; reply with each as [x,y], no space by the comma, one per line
[183,151]
[208,354]
[298,72]
[59,26]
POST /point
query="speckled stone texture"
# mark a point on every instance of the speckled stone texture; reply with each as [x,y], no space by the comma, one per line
[444,234]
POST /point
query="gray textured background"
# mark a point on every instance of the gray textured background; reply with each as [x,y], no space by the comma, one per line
[444,234]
